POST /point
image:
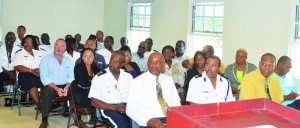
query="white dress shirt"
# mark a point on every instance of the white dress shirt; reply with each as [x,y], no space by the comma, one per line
[76,55]
[142,104]
[109,90]
[25,59]
[4,57]
[201,90]
[106,54]
[141,62]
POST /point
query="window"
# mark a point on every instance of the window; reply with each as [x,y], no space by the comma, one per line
[207,26]
[140,16]
[295,44]
[139,28]
[208,17]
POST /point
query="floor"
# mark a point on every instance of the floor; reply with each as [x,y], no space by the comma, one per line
[11,119]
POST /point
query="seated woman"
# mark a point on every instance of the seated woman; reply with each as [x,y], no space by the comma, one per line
[26,62]
[84,73]
[174,69]
[130,67]
[236,71]
[197,69]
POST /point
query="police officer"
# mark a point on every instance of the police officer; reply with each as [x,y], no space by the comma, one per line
[7,52]
[26,62]
[210,87]
[109,91]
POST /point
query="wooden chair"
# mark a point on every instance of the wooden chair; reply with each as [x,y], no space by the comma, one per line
[74,109]
[60,100]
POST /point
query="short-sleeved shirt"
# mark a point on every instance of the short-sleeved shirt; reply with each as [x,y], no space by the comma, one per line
[4,61]
[109,90]
[141,62]
[201,90]
[253,87]
[45,49]
[23,58]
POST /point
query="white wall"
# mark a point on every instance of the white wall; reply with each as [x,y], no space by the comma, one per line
[169,22]
[55,17]
[116,20]
[260,26]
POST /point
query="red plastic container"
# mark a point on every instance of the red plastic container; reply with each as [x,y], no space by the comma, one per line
[240,114]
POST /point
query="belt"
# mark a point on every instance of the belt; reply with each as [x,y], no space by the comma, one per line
[85,88]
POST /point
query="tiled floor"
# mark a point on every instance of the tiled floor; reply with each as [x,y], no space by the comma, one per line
[11,119]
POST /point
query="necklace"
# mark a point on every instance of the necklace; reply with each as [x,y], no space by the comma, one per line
[235,75]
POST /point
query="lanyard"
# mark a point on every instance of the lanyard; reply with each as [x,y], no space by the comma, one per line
[235,75]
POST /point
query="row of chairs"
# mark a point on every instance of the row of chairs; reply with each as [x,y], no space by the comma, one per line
[73,108]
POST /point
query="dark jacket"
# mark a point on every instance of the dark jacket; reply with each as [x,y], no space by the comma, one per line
[135,67]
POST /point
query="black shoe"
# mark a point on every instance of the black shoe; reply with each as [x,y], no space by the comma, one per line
[44,125]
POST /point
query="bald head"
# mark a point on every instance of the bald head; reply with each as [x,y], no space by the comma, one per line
[156,63]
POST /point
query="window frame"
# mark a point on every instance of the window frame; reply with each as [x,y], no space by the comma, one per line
[202,17]
[143,27]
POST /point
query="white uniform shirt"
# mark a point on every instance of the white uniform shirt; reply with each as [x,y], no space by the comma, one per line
[76,55]
[4,58]
[45,49]
[142,104]
[106,54]
[23,58]
[18,43]
[107,89]
[141,62]
[100,45]
[201,90]
[182,58]
[177,73]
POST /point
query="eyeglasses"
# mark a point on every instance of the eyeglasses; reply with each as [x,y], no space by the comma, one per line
[28,42]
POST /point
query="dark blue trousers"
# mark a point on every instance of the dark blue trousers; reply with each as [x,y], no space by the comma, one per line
[115,118]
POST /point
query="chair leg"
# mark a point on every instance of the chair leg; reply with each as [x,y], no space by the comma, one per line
[13,98]
[19,106]
[37,111]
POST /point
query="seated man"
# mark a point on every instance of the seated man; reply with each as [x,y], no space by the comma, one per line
[261,83]
[210,87]
[57,73]
[109,92]
[151,93]
[288,86]
[7,53]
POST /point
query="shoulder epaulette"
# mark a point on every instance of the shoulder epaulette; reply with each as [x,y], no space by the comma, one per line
[224,78]
[101,72]
[198,75]
[18,50]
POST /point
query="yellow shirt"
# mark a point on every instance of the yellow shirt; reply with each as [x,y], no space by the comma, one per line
[253,87]
[222,68]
